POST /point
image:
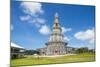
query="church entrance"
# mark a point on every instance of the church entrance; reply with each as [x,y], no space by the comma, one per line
[56,52]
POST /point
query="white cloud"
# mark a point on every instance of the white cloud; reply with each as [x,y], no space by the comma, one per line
[89,35]
[45,30]
[66,38]
[11,27]
[40,20]
[33,11]
[65,29]
[92,41]
[25,18]
[32,8]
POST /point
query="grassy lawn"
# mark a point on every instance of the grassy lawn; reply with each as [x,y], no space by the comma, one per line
[31,60]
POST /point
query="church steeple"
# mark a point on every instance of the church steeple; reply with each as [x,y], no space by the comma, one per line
[57,32]
[56,21]
[56,18]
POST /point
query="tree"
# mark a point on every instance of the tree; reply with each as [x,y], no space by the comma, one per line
[82,50]
[31,52]
[91,51]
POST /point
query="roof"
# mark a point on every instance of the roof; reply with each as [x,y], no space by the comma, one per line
[16,46]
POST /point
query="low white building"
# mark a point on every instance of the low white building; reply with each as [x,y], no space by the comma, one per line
[17,51]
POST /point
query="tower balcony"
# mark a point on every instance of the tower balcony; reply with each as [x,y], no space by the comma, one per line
[49,43]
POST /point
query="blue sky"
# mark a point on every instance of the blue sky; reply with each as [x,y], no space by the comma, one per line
[31,24]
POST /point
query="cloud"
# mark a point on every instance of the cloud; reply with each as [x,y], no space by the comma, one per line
[25,18]
[40,20]
[92,41]
[66,38]
[45,30]
[33,11]
[65,29]
[88,34]
[11,27]
[32,8]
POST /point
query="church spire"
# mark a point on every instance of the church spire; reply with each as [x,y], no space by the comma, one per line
[56,15]
[56,21]
[56,18]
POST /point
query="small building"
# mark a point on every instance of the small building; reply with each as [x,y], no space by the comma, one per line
[42,51]
[17,51]
[70,50]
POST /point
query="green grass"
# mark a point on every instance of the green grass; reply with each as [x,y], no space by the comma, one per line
[31,60]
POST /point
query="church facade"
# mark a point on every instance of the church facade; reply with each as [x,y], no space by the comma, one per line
[56,44]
